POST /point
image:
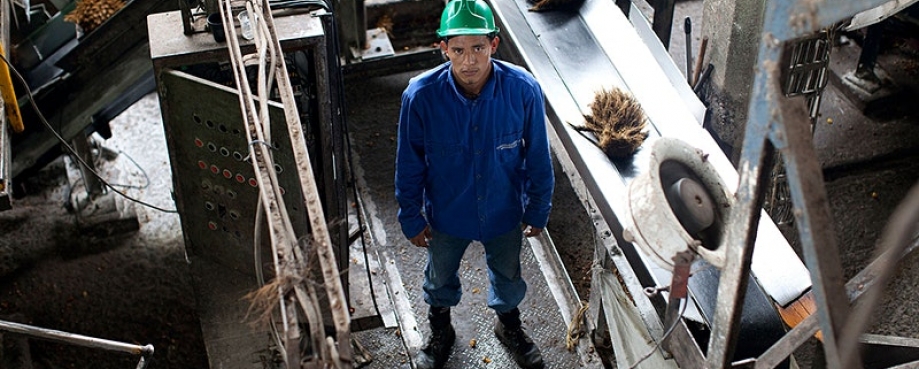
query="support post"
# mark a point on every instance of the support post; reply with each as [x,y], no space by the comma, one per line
[663,20]
[92,183]
[867,59]
[352,21]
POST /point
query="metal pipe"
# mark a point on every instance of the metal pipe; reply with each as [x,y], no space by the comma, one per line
[687,30]
[76,339]
[5,151]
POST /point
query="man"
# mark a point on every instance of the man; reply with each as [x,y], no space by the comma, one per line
[473,163]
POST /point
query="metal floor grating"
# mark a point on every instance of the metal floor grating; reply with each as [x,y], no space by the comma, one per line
[472,319]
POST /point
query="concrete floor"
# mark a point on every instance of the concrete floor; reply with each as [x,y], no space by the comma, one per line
[135,287]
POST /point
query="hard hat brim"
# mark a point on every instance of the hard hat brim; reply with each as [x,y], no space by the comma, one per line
[466,32]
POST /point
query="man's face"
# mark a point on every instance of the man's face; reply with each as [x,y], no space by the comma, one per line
[471,58]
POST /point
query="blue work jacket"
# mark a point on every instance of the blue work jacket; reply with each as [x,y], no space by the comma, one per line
[476,167]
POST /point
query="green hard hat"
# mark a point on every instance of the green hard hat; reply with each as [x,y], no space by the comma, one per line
[466,17]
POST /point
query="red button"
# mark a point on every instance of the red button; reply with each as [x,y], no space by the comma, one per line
[253,182]
[214,169]
[212,226]
[202,164]
[240,178]
[227,173]
[199,143]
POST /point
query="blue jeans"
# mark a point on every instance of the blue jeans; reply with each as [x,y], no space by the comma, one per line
[502,254]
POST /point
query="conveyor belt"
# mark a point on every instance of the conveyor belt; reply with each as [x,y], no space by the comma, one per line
[576,53]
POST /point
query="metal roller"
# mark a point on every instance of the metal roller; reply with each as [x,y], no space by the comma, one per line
[679,203]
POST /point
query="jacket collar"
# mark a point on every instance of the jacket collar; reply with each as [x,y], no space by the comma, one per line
[488,90]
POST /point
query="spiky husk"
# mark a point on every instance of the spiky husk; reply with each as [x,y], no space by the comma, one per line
[618,122]
[546,5]
[89,14]
[263,302]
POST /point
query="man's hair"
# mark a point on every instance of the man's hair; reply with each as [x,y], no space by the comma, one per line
[490,35]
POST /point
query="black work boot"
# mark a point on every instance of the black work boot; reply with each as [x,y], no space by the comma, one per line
[435,354]
[510,332]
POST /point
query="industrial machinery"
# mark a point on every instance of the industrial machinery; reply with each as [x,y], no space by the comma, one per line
[734,221]
[258,180]
[688,271]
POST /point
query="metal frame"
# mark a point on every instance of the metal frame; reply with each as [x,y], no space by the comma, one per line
[775,123]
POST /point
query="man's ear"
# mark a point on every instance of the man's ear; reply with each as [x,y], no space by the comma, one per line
[494,44]
[443,49]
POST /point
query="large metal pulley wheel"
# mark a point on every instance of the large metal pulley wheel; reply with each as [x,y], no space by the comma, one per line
[679,203]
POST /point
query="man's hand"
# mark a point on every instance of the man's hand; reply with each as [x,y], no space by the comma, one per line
[530,231]
[421,240]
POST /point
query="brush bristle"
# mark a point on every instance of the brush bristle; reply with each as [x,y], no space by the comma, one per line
[546,5]
[618,121]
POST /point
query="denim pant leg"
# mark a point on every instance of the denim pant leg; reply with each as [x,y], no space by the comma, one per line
[441,274]
[507,285]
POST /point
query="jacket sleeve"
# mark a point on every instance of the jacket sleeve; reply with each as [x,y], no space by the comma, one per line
[540,175]
[411,169]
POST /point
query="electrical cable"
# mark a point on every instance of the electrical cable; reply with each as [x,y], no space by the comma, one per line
[142,171]
[670,330]
[261,210]
[260,275]
[257,124]
[131,159]
[360,223]
[350,161]
[136,165]
[41,117]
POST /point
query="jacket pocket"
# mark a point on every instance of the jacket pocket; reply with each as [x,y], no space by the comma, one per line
[508,147]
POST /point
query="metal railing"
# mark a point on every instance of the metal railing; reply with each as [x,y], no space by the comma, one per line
[145,352]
